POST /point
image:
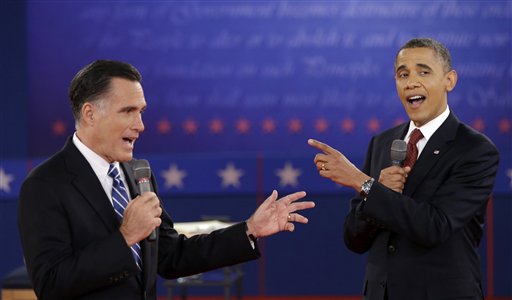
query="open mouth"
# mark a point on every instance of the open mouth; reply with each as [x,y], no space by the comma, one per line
[129,140]
[416,100]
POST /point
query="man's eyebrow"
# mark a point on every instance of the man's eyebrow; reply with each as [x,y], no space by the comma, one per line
[400,68]
[127,108]
[425,66]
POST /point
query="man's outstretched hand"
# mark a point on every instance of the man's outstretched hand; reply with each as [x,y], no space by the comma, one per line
[273,216]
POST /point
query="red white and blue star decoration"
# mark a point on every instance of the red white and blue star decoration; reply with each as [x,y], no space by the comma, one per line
[222,174]
[217,126]
[5,181]
[243,172]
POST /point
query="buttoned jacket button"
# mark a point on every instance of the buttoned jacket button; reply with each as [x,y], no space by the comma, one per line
[391,249]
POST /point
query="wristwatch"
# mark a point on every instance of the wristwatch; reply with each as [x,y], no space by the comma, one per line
[365,188]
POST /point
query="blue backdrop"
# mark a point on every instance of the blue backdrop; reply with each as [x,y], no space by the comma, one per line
[235,89]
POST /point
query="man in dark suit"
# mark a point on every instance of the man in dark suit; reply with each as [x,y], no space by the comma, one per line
[422,222]
[81,242]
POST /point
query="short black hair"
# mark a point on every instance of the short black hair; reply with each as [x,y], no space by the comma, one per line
[93,81]
[439,49]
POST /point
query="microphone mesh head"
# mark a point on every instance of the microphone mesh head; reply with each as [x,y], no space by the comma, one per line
[141,169]
[398,150]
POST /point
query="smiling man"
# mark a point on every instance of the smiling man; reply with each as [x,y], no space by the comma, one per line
[420,222]
[84,222]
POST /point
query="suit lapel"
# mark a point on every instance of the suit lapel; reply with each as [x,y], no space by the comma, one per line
[434,149]
[130,179]
[88,185]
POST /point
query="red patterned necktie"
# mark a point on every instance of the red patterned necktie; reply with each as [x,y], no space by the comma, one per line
[412,150]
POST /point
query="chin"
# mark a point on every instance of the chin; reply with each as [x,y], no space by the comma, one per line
[418,123]
[126,158]
[411,116]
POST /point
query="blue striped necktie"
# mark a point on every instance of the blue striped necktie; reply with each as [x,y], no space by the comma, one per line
[119,200]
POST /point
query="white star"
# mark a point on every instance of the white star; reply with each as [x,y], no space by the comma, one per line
[173,177]
[5,181]
[509,173]
[288,175]
[230,175]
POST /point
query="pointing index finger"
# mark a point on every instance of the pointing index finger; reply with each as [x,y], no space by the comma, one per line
[321,146]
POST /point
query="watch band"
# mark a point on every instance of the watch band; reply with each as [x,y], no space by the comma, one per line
[365,188]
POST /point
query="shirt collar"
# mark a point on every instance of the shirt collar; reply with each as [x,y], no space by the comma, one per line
[98,164]
[430,128]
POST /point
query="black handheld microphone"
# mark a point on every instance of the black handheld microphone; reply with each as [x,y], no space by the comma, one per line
[398,152]
[142,174]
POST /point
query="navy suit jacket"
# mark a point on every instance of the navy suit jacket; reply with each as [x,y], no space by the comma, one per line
[73,247]
[423,243]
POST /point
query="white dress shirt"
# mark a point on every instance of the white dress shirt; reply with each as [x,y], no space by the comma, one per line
[427,129]
[99,166]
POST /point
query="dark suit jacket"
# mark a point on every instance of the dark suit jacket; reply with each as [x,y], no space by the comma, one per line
[423,244]
[74,250]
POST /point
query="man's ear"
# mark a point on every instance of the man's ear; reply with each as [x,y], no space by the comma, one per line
[451,80]
[87,113]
